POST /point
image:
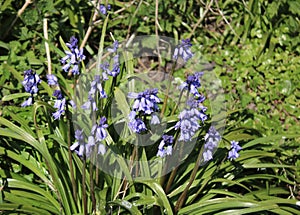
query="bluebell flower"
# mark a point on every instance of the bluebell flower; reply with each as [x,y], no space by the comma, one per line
[91,102]
[58,94]
[52,80]
[212,139]
[73,57]
[106,71]
[116,67]
[84,148]
[72,44]
[189,120]
[60,104]
[192,83]
[28,102]
[101,149]
[114,48]
[96,85]
[137,125]
[145,102]
[30,82]
[99,129]
[165,146]
[73,104]
[154,119]
[104,9]
[188,126]
[235,148]
[183,50]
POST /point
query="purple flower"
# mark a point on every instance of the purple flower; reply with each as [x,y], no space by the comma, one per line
[96,85]
[116,67]
[189,120]
[192,83]
[104,9]
[154,119]
[72,103]
[60,104]
[73,43]
[115,47]
[91,102]
[73,57]
[165,146]
[83,147]
[101,149]
[145,102]
[212,139]
[137,125]
[31,79]
[28,102]
[99,129]
[183,50]
[235,148]
[52,80]
[58,94]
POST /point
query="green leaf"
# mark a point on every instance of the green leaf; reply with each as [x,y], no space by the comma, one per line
[161,195]
[15,96]
[127,205]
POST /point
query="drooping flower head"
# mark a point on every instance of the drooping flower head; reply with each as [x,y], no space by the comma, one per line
[81,146]
[192,84]
[183,50]
[73,57]
[165,146]
[212,139]
[30,82]
[188,123]
[52,80]
[235,148]
[145,102]
[99,129]
[60,104]
[96,86]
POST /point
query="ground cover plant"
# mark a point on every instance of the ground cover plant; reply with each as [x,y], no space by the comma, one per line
[149,107]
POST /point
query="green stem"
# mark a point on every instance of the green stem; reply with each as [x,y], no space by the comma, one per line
[70,155]
[92,190]
[183,196]
[84,185]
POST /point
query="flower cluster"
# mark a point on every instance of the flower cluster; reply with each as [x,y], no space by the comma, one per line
[235,148]
[192,84]
[104,9]
[189,119]
[183,50]
[165,146]
[73,57]
[60,104]
[30,82]
[98,134]
[145,104]
[212,139]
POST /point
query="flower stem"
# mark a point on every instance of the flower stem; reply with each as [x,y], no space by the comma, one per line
[183,196]
[70,155]
[84,185]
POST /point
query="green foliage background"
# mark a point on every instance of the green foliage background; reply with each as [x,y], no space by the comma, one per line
[254,45]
